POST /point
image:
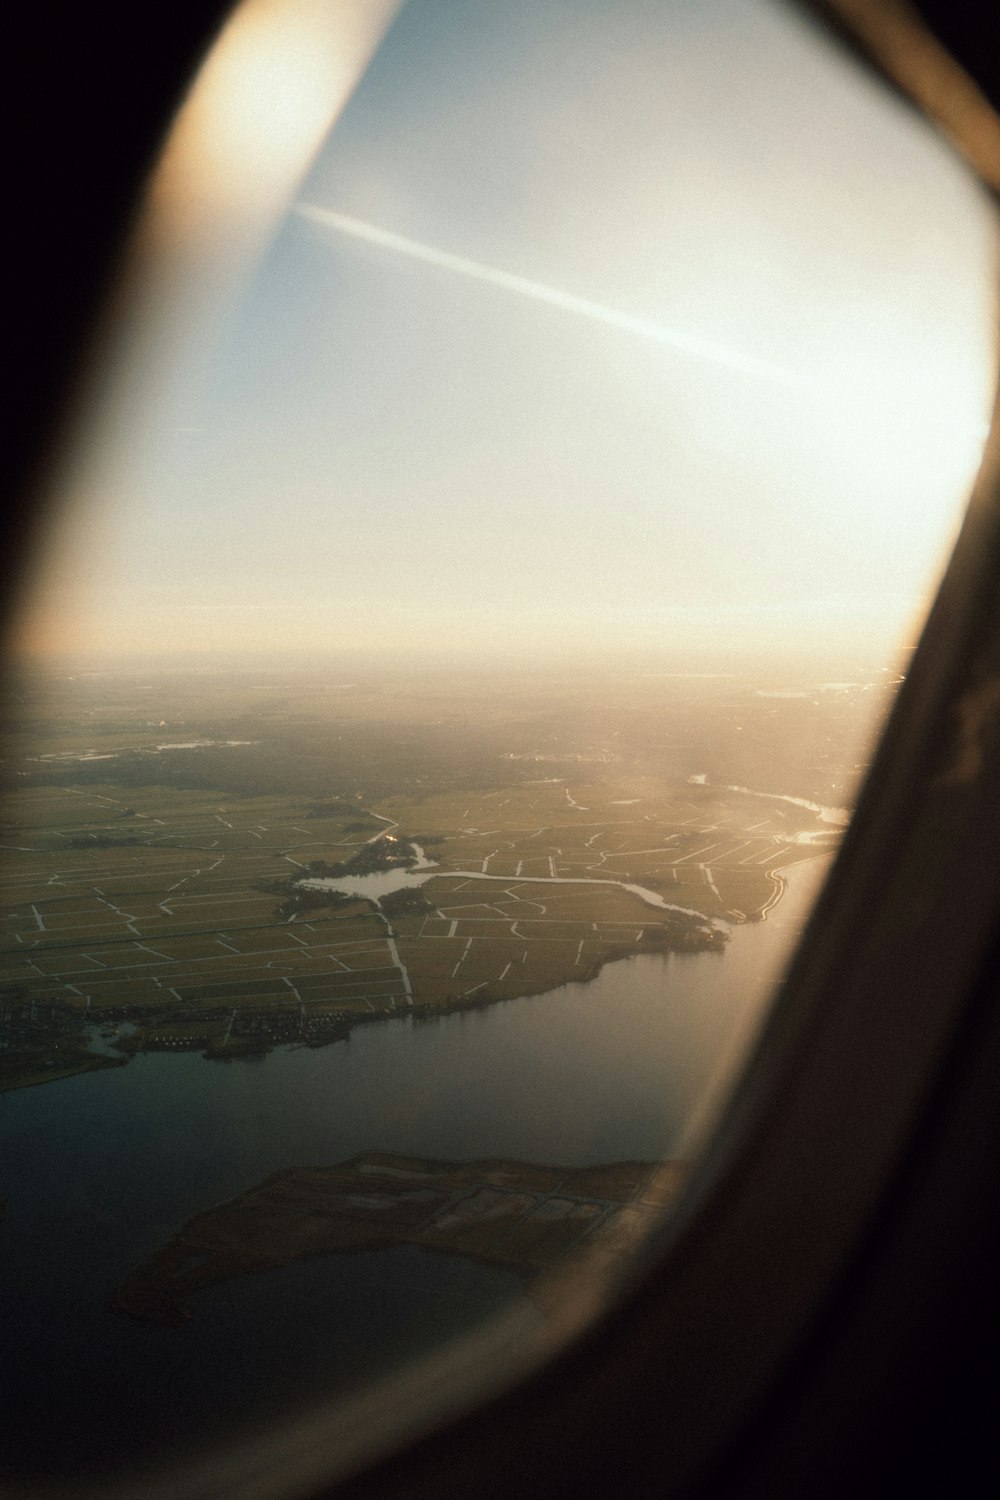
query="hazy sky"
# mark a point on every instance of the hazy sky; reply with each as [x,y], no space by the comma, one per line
[725,388]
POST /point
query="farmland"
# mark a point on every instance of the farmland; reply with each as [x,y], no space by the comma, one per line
[144,907]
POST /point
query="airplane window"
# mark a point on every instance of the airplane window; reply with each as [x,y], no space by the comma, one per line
[528,448]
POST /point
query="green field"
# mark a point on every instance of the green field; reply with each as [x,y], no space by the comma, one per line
[148,862]
[172,934]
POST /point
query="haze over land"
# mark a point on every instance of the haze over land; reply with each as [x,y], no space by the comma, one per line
[373,963]
[232,860]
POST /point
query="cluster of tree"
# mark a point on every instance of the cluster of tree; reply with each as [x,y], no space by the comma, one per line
[382,854]
[407,902]
[305,898]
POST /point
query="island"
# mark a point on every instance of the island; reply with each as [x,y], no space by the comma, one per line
[550,1225]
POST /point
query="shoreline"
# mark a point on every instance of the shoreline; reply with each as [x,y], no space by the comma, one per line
[251,1048]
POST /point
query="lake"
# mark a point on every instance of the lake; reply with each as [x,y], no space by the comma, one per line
[100,1170]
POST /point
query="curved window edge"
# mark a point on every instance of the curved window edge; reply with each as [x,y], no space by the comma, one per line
[880,1028]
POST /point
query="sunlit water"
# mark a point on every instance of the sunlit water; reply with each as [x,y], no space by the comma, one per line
[399,878]
[100,1170]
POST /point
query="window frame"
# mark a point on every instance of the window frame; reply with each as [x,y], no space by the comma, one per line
[821,1287]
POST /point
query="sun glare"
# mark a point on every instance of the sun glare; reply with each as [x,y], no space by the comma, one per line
[917,427]
[279,74]
[656,352]
[528,446]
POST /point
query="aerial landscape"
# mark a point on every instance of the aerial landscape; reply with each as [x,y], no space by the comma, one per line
[177,877]
[250,912]
[490,546]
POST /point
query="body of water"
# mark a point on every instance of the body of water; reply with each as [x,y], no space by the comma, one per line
[100,1171]
[401,878]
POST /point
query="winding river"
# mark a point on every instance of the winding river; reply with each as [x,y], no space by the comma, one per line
[384,882]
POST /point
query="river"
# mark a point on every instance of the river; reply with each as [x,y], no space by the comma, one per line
[399,878]
[101,1169]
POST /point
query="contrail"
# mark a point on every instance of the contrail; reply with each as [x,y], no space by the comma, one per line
[685,343]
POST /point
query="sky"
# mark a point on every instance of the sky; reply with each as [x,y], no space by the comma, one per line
[653,326]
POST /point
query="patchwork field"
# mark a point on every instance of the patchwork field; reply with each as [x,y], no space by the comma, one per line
[153,915]
[162,840]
